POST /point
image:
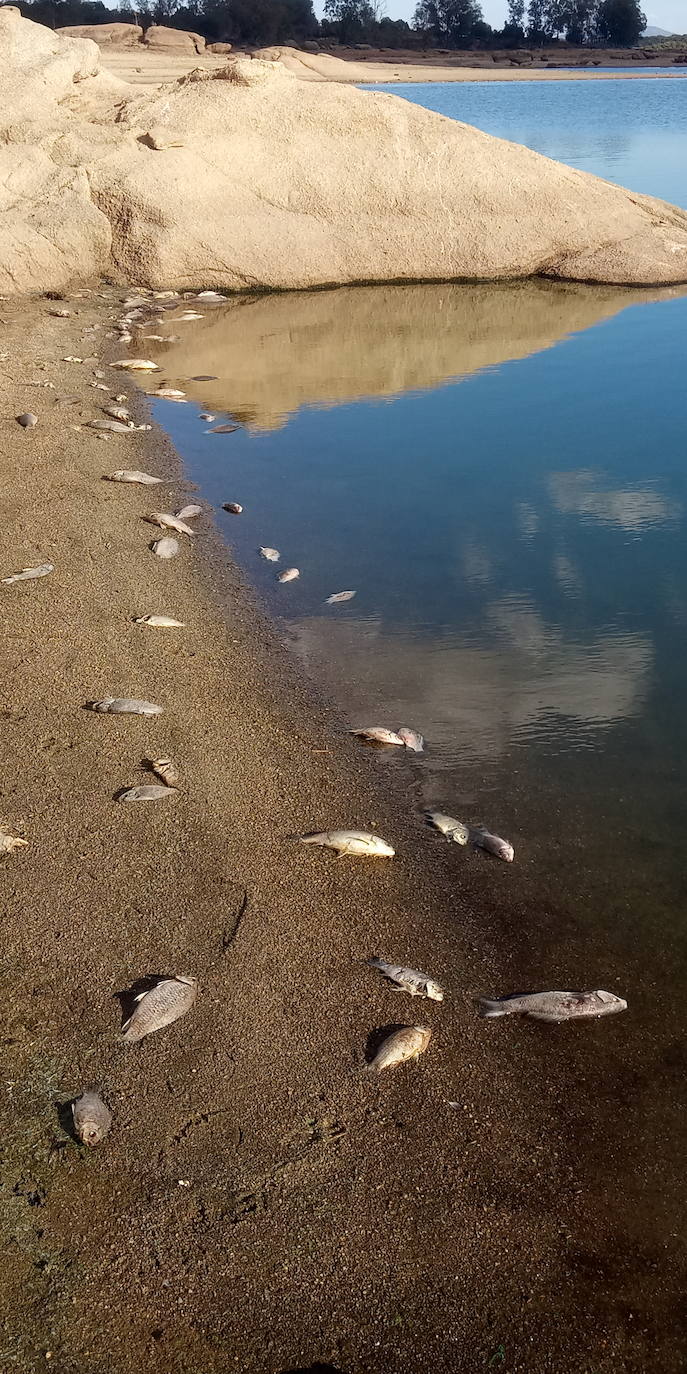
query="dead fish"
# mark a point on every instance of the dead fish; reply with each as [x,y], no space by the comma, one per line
[288,575]
[351,842]
[166,770]
[147,792]
[409,980]
[92,1119]
[70,359]
[208,418]
[400,1046]
[129,364]
[188,512]
[223,429]
[493,844]
[170,393]
[124,475]
[61,314]
[8,843]
[111,426]
[187,315]
[126,706]
[162,1004]
[377,734]
[27,419]
[453,830]
[163,622]
[166,547]
[553,1006]
[27,573]
[117,412]
[209,296]
[154,338]
[169,522]
[412,739]
[272,555]
[233,507]
[339,596]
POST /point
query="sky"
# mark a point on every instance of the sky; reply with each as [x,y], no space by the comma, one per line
[665,14]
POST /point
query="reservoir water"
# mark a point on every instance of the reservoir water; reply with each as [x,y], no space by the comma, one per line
[500,473]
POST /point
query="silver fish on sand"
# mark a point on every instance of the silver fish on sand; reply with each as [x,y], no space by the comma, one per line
[409,980]
[126,706]
[400,1046]
[147,792]
[61,314]
[166,770]
[111,426]
[27,419]
[272,555]
[169,522]
[351,842]
[144,479]
[453,830]
[553,1006]
[339,596]
[412,739]
[162,1004]
[163,622]
[188,512]
[170,393]
[377,734]
[288,575]
[8,843]
[133,365]
[233,507]
[493,844]
[117,412]
[27,574]
[166,547]
[92,1119]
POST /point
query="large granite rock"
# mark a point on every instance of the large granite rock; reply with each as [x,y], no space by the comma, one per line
[106,35]
[248,177]
[173,40]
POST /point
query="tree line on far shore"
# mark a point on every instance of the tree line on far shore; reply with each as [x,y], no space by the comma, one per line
[436,23]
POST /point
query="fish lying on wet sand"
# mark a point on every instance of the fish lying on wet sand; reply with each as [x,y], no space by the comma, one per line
[377,734]
[169,522]
[27,574]
[166,622]
[126,706]
[188,512]
[412,739]
[147,792]
[553,1006]
[166,770]
[125,475]
[135,365]
[493,844]
[351,842]
[407,1043]
[409,980]
[92,1119]
[170,393]
[454,830]
[162,1004]
[166,547]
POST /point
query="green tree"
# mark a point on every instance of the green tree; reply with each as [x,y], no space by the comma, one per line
[354,19]
[538,30]
[452,22]
[620,23]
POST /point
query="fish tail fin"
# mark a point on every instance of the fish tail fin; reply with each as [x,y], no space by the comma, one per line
[487,1007]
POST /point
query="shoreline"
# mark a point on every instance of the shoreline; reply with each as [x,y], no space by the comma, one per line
[260,1203]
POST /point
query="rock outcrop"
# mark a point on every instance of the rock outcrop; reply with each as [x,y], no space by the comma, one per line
[249,178]
[173,40]
[106,35]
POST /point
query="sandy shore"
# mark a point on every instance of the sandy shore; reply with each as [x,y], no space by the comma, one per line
[142,68]
[261,1204]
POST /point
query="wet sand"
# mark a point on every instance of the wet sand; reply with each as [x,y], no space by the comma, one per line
[261,1203]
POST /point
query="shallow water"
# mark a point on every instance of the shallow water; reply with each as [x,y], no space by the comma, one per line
[499,473]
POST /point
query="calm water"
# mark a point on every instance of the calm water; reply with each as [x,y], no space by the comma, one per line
[500,473]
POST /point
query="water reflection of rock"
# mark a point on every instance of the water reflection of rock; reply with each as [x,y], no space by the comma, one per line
[476,697]
[632,508]
[273,354]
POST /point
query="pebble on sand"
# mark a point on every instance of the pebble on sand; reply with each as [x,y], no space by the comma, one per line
[27,419]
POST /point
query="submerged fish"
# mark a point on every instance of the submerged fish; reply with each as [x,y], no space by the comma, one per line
[8,843]
[339,596]
[124,475]
[409,980]
[553,1006]
[233,507]
[377,734]
[169,522]
[188,512]
[126,706]
[412,739]
[272,555]
[150,791]
[400,1046]
[92,1119]
[288,575]
[166,622]
[166,547]
[493,844]
[133,365]
[166,770]
[223,429]
[28,573]
[162,1004]
[27,420]
[351,842]
[453,830]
